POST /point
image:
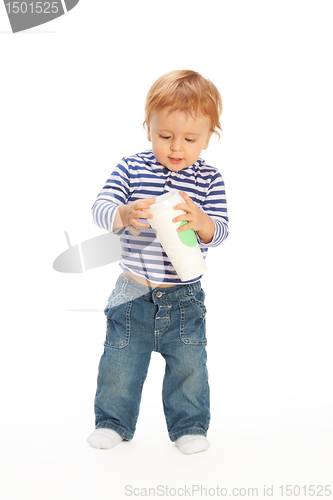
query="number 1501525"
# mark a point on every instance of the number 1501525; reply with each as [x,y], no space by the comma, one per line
[32,7]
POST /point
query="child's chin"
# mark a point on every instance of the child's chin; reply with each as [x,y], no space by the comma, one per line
[175,167]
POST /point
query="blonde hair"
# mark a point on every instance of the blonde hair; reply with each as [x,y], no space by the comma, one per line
[186,91]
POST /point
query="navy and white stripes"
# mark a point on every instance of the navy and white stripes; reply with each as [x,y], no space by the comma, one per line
[141,176]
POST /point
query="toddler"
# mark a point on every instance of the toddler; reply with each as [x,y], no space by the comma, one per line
[150,308]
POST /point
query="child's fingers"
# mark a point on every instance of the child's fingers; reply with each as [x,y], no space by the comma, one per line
[186,197]
[182,217]
[139,214]
[135,222]
[139,210]
[150,201]
[135,231]
[184,227]
[182,206]
[144,203]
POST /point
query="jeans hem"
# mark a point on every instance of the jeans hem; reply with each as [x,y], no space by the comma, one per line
[191,430]
[127,436]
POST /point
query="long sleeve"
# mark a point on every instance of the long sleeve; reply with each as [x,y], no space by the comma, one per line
[215,205]
[113,194]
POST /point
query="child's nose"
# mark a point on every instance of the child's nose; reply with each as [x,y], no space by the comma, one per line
[175,145]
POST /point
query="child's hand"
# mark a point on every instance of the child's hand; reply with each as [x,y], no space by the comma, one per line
[197,219]
[132,212]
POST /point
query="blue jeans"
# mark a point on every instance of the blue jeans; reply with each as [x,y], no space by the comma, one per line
[168,320]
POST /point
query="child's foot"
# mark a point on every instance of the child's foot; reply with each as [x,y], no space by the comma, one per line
[104,439]
[192,443]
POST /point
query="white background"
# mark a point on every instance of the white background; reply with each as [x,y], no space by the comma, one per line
[72,100]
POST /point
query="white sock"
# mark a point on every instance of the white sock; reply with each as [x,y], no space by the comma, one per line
[104,438]
[192,443]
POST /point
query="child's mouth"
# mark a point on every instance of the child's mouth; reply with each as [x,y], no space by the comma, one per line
[175,160]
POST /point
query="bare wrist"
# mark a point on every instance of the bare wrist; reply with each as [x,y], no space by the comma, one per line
[207,234]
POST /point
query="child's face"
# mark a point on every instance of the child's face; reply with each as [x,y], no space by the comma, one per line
[177,140]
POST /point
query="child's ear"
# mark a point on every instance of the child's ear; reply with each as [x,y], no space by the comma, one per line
[148,133]
[205,146]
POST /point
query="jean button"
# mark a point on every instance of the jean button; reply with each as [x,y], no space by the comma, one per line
[159,294]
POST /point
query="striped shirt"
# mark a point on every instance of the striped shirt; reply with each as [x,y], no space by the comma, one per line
[142,176]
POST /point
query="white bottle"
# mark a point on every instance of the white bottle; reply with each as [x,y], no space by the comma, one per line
[182,248]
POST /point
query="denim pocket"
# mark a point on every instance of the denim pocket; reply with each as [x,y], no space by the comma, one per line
[118,320]
[193,319]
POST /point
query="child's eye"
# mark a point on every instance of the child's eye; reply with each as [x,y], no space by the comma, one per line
[163,137]
[189,140]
